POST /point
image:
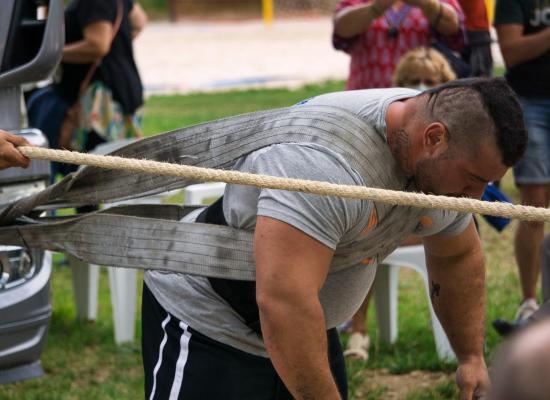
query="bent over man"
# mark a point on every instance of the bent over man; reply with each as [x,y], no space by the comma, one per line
[316,256]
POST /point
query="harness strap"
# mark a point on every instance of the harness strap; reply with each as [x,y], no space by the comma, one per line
[153,237]
[240,295]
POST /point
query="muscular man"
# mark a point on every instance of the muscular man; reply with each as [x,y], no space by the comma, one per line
[275,338]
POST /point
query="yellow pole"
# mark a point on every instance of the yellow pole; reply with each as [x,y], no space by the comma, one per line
[267,11]
[490,4]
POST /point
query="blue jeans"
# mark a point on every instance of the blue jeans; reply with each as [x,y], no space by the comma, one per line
[534,167]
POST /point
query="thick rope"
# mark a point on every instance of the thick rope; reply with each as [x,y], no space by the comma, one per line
[524,213]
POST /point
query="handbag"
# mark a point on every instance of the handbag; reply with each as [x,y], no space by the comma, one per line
[100,113]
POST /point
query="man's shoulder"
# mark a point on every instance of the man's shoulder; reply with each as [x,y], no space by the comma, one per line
[368,104]
[382,93]
[301,160]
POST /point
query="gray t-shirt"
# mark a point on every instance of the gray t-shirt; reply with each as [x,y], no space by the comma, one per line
[333,221]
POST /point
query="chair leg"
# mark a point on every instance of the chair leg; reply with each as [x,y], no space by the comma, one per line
[85,287]
[413,257]
[123,286]
[385,297]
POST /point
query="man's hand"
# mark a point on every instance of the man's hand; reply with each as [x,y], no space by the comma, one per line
[9,155]
[472,379]
[457,276]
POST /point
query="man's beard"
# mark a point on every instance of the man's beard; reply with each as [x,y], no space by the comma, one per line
[426,174]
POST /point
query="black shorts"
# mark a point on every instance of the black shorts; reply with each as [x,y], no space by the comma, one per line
[181,363]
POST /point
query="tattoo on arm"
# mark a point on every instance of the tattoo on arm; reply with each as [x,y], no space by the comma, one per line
[434,292]
[305,393]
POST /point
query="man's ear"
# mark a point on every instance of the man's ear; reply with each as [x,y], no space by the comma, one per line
[436,138]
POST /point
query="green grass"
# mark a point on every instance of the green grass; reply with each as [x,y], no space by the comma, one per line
[82,362]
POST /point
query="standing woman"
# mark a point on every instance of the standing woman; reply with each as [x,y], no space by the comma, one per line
[523,30]
[376,33]
[99,94]
[102,31]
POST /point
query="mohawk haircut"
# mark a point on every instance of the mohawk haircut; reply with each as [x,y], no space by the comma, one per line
[472,107]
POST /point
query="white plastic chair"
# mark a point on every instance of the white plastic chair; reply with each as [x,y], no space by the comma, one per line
[122,285]
[196,195]
[386,291]
[123,281]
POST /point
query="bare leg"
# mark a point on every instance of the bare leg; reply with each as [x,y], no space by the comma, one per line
[359,320]
[528,240]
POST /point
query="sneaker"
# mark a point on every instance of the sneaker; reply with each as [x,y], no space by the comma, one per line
[358,346]
[525,310]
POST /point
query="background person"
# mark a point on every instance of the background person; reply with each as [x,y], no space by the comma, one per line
[113,95]
[523,29]
[521,368]
[477,53]
[506,328]
[376,34]
[421,69]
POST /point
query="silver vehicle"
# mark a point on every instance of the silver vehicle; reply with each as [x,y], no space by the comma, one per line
[31,41]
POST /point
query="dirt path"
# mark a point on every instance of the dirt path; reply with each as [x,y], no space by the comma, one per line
[397,387]
[191,56]
[206,55]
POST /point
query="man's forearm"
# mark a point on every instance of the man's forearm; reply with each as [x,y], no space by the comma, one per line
[295,337]
[526,48]
[457,292]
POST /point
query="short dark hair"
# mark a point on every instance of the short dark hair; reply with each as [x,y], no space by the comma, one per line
[463,105]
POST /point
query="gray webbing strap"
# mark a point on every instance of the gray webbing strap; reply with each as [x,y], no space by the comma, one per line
[214,144]
[152,237]
[137,237]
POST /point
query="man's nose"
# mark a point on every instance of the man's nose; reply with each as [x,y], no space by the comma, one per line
[474,191]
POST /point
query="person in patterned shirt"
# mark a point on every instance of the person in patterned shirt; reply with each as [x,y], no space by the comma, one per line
[376,33]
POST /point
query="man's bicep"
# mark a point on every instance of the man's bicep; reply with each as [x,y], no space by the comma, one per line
[444,245]
[328,219]
[288,261]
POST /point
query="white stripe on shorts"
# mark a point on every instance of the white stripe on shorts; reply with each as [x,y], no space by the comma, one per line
[159,361]
[182,360]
